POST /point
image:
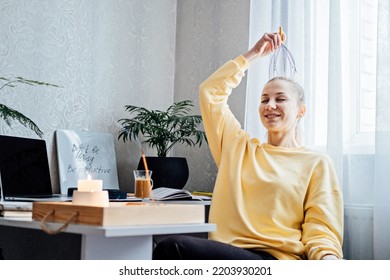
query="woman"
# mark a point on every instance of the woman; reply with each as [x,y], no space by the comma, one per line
[275,200]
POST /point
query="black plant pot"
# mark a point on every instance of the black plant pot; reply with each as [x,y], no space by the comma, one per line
[171,172]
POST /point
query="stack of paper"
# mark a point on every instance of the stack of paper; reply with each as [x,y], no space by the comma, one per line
[164,193]
[170,194]
[15,209]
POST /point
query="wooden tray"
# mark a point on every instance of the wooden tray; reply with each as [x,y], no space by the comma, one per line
[119,213]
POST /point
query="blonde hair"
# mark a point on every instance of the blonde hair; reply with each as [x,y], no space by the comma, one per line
[300,98]
[297,87]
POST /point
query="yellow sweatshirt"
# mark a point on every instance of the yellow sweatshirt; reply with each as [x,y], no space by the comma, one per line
[284,201]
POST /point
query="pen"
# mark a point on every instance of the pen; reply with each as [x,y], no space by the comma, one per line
[202,193]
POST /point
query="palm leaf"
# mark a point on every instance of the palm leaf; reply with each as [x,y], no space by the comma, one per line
[162,130]
[8,115]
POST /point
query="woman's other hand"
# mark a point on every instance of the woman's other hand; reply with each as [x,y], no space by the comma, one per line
[329,257]
[267,44]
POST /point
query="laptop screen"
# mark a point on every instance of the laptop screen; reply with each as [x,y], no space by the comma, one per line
[24,167]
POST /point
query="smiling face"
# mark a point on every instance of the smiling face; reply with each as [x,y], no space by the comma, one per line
[280,107]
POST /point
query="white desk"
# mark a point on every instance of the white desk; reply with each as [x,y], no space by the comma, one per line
[114,243]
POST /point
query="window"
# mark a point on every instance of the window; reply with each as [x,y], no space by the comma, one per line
[361,81]
[358,67]
[368,39]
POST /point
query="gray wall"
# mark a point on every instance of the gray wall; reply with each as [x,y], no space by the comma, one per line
[208,33]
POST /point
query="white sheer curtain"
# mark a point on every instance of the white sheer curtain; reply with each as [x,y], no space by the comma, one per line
[335,51]
[382,141]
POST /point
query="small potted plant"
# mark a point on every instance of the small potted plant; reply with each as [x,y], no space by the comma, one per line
[10,115]
[162,130]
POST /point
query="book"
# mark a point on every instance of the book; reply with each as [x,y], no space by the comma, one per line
[165,193]
[119,213]
[15,209]
[15,214]
[15,206]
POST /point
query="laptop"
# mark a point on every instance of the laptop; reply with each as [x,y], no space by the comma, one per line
[24,170]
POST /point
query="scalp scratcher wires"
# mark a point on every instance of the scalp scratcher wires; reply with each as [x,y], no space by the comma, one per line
[282,62]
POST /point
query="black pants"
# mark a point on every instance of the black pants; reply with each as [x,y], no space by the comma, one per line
[184,247]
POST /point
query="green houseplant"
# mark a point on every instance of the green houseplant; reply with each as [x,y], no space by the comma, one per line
[10,115]
[162,130]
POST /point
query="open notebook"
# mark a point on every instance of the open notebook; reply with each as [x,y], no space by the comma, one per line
[24,170]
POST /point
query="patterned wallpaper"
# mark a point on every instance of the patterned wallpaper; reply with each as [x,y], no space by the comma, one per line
[108,53]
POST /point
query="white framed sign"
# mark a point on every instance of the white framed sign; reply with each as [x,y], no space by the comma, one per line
[83,153]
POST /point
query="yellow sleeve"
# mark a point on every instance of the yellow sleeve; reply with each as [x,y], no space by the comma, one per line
[322,230]
[219,122]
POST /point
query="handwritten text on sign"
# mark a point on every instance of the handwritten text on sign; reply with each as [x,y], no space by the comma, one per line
[82,153]
[87,155]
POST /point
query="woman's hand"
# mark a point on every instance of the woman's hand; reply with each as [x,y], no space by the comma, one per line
[329,257]
[267,44]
